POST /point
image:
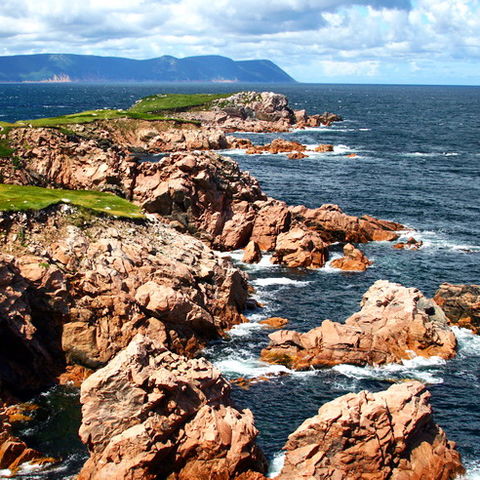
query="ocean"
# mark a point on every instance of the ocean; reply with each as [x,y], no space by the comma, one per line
[417,162]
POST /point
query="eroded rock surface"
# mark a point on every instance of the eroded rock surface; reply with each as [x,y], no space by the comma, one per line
[395,323]
[375,436]
[461,304]
[122,278]
[153,414]
[353,260]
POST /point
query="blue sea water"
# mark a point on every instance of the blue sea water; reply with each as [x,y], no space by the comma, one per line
[417,162]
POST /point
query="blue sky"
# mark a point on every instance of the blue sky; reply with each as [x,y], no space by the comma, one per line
[352,41]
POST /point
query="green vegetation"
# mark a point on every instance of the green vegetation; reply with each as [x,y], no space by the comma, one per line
[15,198]
[154,107]
[174,102]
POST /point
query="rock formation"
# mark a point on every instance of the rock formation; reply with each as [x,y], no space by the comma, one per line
[123,277]
[353,260]
[389,435]
[395,323]
[252,253]
[461,304]
[300,247]
[410,244]
[334,225]
[153,414]
[30,355]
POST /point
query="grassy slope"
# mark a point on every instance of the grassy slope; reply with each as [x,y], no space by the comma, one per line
[174,102]
[17,198]
[147,108]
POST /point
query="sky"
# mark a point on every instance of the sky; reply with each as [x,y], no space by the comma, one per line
[326,41]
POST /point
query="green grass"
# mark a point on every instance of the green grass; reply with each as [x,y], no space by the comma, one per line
[19,198]
[174,102]
[88,117]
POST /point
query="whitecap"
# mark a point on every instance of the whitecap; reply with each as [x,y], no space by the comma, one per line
[468,342]
[437,241]
[266,282]
[245,329]
[276,465]
[418,368]
[248,368]
[472,471]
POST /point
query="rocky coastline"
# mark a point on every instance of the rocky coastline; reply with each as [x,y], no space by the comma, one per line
[125,306]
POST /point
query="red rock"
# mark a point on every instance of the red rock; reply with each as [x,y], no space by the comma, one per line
[153,414]
[300,247]
[394,323]
[374,436]
[274,322]
[354,260]
[410,244]
[324,148]
[461,304]
[273,218]
[333,225]
[252,253]
[297,156]
[279,145]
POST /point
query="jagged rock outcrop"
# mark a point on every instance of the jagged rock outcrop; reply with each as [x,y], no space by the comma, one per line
[252,253]
[353,260]
[279,145]
[123,278]
[334,225]
[30,353]
[153,414]
[376,436]
[410,244]
[394,323]
[461,304]
[300,247]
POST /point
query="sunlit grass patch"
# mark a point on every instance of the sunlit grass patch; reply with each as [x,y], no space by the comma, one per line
[19,198]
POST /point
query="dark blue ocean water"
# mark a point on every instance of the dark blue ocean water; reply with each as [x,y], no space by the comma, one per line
[418,162]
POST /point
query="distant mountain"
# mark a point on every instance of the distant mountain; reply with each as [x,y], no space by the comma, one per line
[90,68]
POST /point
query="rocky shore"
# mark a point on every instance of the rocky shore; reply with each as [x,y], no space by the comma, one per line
[134,301]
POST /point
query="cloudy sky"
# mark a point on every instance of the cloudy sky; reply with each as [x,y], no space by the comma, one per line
[353,41]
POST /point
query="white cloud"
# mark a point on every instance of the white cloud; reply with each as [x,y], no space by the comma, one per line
[358,38]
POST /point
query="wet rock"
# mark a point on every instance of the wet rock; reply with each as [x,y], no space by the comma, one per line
[410,244]
[274,322]
[394,324]
[353,260]
[297,156]
[461,304]
[300,247]
[153,414]
[13,451]
[379,436]
[252,253]
[324,148]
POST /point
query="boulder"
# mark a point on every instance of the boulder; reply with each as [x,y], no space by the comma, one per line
[300,247]
[274,322]
[410,244]
[394,324]
[273,217]
[297,156]
[388,435]
[324,148]
[153,414]
[252,253]
[353,260]
[461,304]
